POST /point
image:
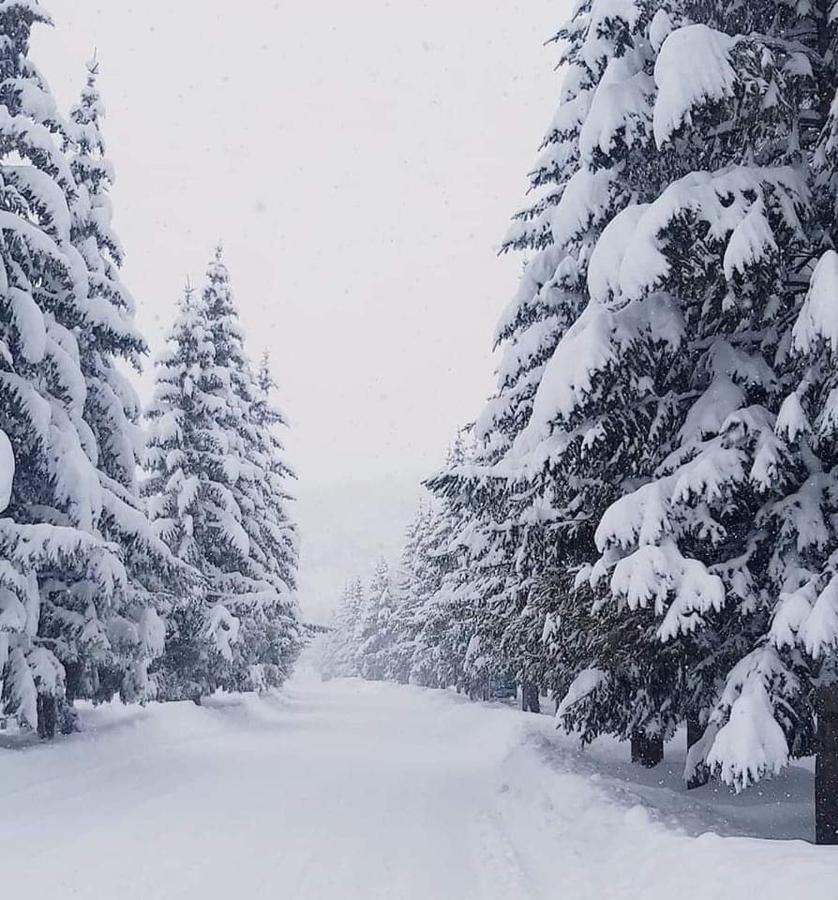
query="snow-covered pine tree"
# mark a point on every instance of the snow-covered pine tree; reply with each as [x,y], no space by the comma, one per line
[697,543]
[65,598]
[446,614]
[180,493]
[344,640]
[237,588]
[112,411]
[804,630]
[522,517]
[340,656]
[218,497]
[374,627]
[786,686]
[331,646]
[271,633]
[406,620]
[675,367]
[566,476]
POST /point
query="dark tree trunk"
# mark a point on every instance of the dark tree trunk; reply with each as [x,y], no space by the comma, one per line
[529,697]
[826,767]
[645,750]
[695,731]
[72,680]
[654,755]
[47,716]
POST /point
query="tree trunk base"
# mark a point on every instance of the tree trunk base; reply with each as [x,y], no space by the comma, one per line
[47,716]
[529,697]
[646,751]
[826,767]
[701,775]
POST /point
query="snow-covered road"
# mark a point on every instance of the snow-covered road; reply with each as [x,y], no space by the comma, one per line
[349,790]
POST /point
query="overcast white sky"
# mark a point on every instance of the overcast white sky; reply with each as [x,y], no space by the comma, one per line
[360,160]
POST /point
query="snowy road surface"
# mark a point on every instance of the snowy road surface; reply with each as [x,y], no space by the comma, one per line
[349,790]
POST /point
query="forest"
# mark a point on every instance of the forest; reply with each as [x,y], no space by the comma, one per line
[634,537]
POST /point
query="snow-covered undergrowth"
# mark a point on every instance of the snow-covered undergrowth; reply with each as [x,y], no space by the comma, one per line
[356,790]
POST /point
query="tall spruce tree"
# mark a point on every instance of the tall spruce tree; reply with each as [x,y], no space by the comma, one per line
[408,613]
[522,518]
[340,625]
[785,688]
[180,491]
[271,634]
[69,611]
[112,410]
[692,542]
[677,369]
[375,635]
[566,476]
[340,653]
[446,613]
[218,499]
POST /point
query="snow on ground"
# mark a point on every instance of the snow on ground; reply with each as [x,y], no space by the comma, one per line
[349,790]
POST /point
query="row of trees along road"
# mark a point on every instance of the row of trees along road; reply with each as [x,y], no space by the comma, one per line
[113,582]
[645,523]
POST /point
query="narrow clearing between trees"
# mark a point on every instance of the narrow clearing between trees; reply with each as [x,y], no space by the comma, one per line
[351,790]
